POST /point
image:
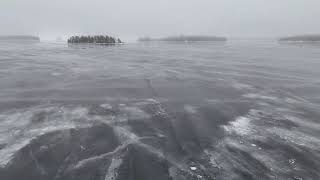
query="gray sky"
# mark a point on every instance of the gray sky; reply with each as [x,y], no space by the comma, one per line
[134,18]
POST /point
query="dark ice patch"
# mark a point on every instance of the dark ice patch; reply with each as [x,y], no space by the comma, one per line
[50,155]
[101,111]
[139,163]
[2,146]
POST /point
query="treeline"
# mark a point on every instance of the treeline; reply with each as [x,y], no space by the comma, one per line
[20,38]
[306,38]
[184,38]
[100,39]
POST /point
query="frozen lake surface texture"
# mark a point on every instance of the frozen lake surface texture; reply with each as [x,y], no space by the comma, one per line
[156,111]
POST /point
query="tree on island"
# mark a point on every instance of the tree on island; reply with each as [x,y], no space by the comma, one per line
[98,39]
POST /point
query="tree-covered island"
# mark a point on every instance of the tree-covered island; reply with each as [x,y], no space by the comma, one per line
[97,39]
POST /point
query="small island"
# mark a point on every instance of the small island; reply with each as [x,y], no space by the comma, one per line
[301,38]
[97,39]
[20,38]
[184,38]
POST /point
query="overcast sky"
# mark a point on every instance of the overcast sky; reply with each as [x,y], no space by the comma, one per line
[134,18]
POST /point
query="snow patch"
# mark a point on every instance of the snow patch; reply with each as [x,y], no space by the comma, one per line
[112,171]
[259,96]
[240,126]
[106,106]
[135,113]
[190,109]
[242,86]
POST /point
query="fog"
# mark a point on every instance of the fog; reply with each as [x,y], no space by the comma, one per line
[130,19]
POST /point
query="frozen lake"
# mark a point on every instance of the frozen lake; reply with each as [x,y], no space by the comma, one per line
[243,109]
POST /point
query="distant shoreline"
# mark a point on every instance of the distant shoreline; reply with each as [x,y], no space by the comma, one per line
[19,38]
[301,38]
[184,38]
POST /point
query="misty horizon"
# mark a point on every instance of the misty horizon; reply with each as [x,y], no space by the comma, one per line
[131,20]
